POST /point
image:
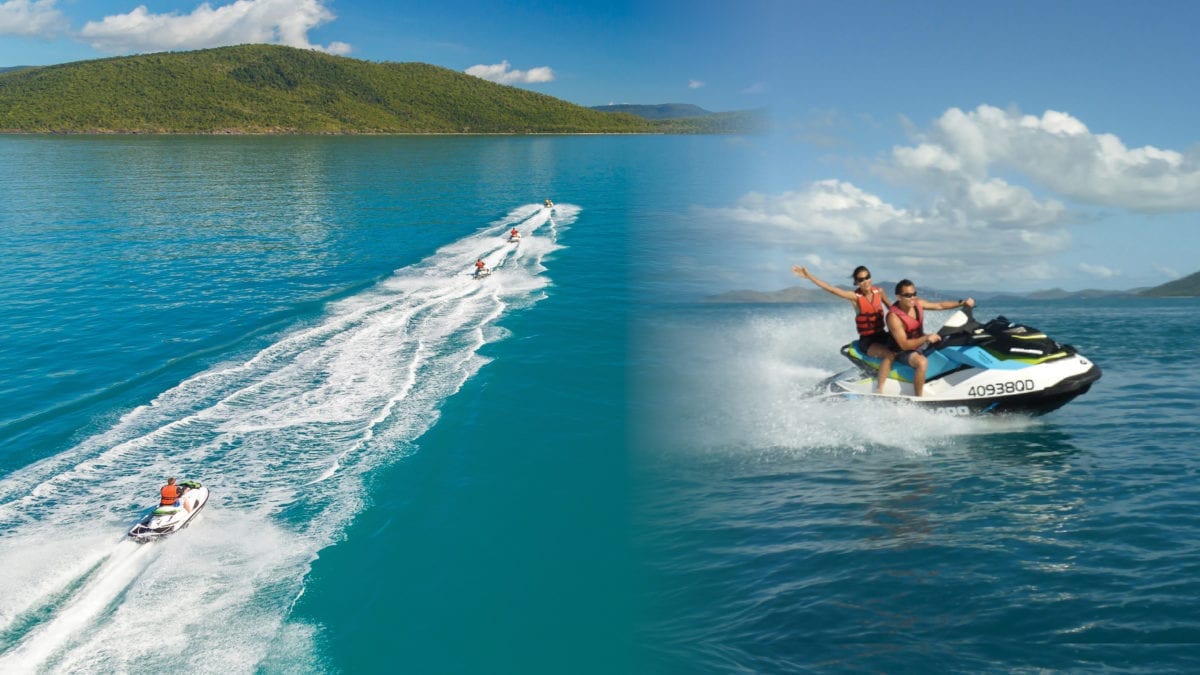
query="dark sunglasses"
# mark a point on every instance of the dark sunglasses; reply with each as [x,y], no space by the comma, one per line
[907,295]
[862,279]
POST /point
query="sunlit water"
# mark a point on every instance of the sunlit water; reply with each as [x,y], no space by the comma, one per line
[789,534]
[556,469]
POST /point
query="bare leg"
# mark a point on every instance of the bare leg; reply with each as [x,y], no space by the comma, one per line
[918,364]
[888,356]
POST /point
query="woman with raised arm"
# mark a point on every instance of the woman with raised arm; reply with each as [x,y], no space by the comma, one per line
[868,302]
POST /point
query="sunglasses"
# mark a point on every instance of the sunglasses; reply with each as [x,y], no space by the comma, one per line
[907,295]
[862,279]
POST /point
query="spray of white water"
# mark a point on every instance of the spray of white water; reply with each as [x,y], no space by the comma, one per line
[283,439]
[742,385]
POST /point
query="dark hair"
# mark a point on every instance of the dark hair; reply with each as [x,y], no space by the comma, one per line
[860,268]
[902,284]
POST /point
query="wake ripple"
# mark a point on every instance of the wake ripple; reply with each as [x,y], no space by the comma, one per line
[284,439]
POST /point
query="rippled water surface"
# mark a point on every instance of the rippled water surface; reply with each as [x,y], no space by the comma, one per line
[564,468]
[793,536]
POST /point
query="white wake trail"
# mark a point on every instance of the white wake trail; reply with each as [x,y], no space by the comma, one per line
[283,437]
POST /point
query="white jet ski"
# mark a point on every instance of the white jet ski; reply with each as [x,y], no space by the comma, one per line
[514,237]
[977,368]
[167,520]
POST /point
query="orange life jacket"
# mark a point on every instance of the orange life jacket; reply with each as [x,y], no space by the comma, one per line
[479,264]
[170,495]
[913,328]
[869,319]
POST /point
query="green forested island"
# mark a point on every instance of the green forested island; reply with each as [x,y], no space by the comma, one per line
[1188,286]
[276,89]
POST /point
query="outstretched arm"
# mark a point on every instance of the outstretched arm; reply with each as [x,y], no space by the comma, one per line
[840,292]
[948,304]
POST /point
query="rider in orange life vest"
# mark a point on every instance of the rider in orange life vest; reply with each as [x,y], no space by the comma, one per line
[514,233]
[480,268]
[868,302]
[171,494]
[906,320]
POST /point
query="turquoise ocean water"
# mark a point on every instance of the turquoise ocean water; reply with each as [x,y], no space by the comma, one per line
[560,468]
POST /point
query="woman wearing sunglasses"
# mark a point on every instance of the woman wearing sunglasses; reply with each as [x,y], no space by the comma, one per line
[868,302]
[906,320]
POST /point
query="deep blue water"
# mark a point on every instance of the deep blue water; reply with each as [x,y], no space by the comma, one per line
[560,468]
[787,535]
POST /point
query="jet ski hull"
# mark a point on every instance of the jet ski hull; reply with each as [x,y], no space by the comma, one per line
[981,369]
[971,393]
[163,522]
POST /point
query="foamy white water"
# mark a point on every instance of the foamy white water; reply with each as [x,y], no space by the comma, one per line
[746,383]
[283,439]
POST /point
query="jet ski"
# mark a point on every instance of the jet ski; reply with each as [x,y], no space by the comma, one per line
[995,367]
[482,274]
[548,204]
[167,520]
[514,237]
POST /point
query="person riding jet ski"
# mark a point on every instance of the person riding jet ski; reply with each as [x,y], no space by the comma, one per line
[172,494]
[906,322]
[177,506]
[868,302]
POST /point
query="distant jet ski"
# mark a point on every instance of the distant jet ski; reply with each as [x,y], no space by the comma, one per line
[548,204]
[514,236]
[482,274]
[166,520]
[977,368]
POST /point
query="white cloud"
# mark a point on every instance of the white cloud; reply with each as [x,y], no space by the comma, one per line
[1098,271]
[990,190]
[39,18]
[285,22]
[695,84]
[1169,272]
[503,74]
[961,238]
[1059,153]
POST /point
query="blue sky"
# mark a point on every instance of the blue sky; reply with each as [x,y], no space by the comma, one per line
[1012,145]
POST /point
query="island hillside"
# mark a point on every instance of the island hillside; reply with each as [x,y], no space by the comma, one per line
[276,89]
[1188,286]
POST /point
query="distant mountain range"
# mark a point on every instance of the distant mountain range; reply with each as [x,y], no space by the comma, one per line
[660,111]
[275,89]
[1188,286]
[685,118]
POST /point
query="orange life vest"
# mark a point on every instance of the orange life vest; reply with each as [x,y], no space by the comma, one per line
[869,319]
[913,328]
[170,495]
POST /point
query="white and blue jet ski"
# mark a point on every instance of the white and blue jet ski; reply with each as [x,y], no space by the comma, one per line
[167,520]
[996,367]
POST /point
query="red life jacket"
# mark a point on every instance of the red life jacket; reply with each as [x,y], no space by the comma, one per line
[170,495]
[913,328]
[869,319]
